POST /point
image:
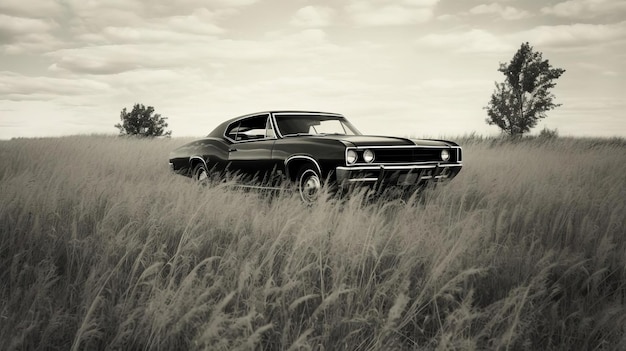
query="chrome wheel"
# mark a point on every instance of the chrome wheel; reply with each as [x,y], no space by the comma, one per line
[309,185]
[201,175]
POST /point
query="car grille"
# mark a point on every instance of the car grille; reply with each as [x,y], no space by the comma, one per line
[404,155]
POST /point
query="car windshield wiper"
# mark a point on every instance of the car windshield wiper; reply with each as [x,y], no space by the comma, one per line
[297,134]
[331,134]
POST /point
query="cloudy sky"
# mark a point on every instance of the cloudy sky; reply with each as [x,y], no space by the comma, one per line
[396,67]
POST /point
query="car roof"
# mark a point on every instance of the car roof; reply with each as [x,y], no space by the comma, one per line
[284,112]
[219,130]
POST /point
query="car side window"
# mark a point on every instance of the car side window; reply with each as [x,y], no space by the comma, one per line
[269,131]
[252,128]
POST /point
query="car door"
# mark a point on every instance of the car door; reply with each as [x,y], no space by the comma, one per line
[250,153]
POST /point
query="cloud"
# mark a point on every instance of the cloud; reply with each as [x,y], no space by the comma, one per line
[390,13]
[21,25]
[506,12]
[227,3]
[199,22]
[90,17]
[585,8]
[151,9]
[15,86]
[105,59]
[574,36]
[178,29]
[117,58]
[473,41]
[176,50]
[313,16]
[32,8]
[21,34]
[595,68]
[420,3]
[446,85]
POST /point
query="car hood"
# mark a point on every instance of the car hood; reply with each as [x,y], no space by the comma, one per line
[373,140]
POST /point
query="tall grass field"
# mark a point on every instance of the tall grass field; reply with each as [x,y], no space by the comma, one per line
[102,248]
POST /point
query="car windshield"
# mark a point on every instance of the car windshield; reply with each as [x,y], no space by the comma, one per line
[310,124]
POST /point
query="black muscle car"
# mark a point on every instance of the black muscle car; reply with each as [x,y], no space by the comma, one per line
[309,149]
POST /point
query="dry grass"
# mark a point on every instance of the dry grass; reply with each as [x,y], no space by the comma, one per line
[102,248]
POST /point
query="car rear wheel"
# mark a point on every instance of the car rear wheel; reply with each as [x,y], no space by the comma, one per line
[200,174]
[309,184]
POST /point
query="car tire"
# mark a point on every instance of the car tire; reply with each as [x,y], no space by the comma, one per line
[308,183]
[200,174]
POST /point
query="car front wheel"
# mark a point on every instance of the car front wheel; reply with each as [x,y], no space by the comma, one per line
[309,184]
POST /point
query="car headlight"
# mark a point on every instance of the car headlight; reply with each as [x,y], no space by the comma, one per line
[351,157]
[368,156]
[445,155]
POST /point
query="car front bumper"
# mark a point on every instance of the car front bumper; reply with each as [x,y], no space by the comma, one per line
[396,175]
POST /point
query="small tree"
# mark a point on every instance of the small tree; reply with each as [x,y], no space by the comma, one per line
[517,104]
[141,122]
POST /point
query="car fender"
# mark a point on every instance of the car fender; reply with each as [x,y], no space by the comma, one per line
[193,160]
[308,158]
